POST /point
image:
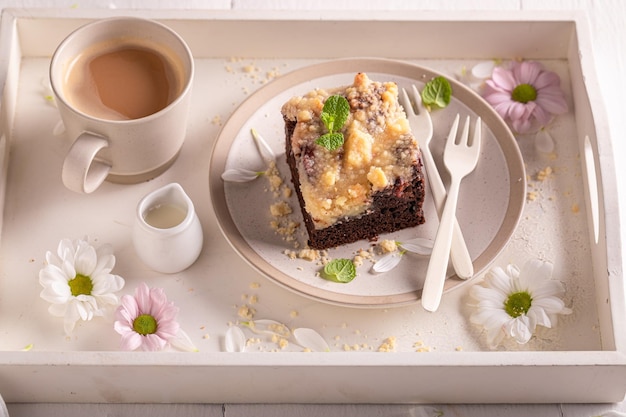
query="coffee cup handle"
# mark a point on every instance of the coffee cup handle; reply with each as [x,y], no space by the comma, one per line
[82,171]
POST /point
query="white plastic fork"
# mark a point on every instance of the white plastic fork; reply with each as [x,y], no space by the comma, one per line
[460,158]
[422,128]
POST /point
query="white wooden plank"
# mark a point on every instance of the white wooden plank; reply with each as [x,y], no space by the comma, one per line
[593,410]
[392,410]
[377,4]
[118,4]
[110,410]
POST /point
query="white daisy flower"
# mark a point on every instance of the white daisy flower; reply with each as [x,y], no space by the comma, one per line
[513,303]
[78,283]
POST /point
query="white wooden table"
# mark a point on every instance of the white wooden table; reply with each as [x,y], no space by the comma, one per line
[607,20]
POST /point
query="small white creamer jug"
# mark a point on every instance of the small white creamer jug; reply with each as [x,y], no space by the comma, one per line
[167,234]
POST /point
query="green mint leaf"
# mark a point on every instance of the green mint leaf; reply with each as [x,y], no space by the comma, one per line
[334,115]
[339,270]
[330,141]
[437,92]
[328,119]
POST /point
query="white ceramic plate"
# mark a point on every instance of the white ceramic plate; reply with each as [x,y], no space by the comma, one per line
[490,203]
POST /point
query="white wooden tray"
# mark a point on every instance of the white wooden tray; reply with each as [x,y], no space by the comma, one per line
[438,358]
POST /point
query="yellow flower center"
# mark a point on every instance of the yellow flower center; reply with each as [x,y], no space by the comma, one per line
[80,285]
[145,324]
[518,303]
[524,93]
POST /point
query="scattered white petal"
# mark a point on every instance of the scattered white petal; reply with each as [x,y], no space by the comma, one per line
[483,70]
[387,263]
[268,327]
[48,94]
[462,74]
[420,246]
[477,85]
[59,128]
[544,142]
[183,342]
[266,152]
[310,339]
[235,340]
[240,175]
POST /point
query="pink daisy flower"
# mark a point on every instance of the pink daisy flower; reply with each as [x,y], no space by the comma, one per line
[147,320]
[526,95]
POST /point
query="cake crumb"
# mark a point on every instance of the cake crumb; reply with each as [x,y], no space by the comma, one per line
[293,314]
[544,174]
[309,254]
[280,341]
[279,329]
[246,312]
[273,176]
[388,345]
[352,348]
[419,347]
[255,285]
[280,209]
[253,341]
[575,208]
[387,246]
[360,257]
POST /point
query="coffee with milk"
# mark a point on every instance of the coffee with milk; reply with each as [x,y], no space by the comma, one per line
[123,80]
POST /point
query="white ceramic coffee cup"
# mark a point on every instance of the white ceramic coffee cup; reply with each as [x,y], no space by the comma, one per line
[121,151]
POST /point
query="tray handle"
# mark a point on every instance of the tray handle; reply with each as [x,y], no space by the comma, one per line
[592,187]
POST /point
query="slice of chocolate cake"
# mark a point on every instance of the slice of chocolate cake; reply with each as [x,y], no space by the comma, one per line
[373,183]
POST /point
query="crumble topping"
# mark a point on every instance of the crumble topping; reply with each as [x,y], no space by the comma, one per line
[379,149]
